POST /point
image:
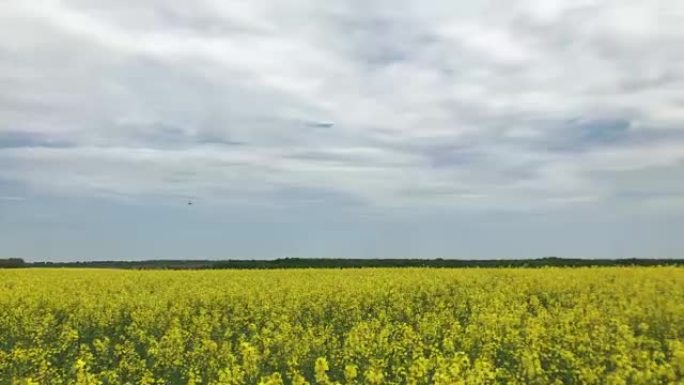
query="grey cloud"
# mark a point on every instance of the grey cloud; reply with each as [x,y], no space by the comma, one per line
[19,139]
[403,103]
[321,124]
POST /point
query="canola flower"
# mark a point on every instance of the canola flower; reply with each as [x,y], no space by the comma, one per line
[356,326]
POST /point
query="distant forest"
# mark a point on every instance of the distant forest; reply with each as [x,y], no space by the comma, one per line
[286,263]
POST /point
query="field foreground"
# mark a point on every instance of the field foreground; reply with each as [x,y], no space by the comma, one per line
[356,326]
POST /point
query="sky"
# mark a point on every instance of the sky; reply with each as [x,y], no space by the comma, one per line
[305,128]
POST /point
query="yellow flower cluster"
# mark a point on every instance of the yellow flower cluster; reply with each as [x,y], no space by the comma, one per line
[356,326]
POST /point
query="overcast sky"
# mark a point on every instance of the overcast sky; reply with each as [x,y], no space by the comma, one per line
[391,128]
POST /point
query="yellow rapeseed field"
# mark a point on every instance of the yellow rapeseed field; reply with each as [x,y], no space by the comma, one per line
[356,326]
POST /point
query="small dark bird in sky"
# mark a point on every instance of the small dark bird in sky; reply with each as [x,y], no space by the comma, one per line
[189,203]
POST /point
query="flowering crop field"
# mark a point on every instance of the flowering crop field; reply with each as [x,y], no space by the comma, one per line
[356,326]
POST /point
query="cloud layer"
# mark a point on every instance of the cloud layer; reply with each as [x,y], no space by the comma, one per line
[406,104]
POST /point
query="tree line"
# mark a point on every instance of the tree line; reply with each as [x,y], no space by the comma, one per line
[285,263]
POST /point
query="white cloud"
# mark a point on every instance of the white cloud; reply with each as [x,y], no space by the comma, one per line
[12,198]
[388,103]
